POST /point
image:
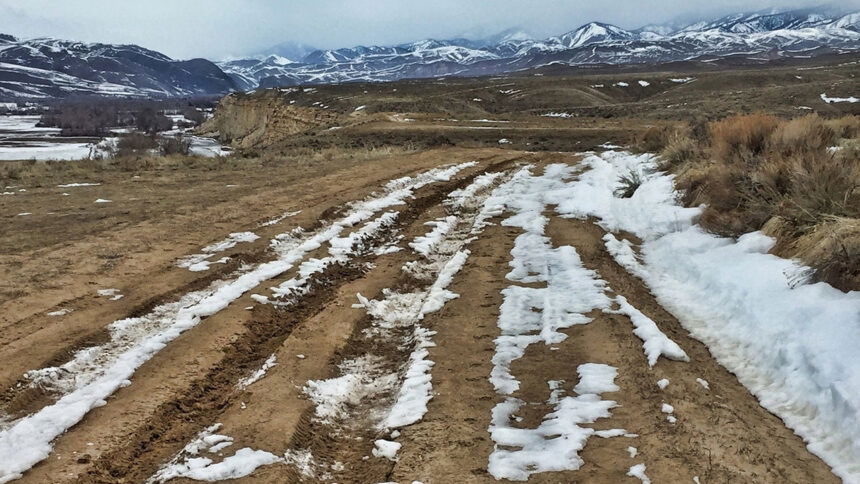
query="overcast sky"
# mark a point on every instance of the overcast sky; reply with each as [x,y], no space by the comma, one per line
[226,28]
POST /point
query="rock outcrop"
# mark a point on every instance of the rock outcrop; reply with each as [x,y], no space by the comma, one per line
[262,119]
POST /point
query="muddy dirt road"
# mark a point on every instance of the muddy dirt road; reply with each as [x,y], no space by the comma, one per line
[430,318]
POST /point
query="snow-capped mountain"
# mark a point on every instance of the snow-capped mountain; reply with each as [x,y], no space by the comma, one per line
[44,68]
[595,33]
[50,68]
[770,34]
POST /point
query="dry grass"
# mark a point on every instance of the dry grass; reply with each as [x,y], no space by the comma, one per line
[740,138]
[755,169]
[34,172]
[809,134]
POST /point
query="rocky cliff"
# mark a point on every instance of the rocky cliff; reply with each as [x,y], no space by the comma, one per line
[264,118]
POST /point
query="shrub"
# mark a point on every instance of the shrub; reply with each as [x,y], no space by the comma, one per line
[628,184]
[846,127]
[653,139]
[680,149]
[740,138]
[823,185]
[151,121]
[135,144]
[193,115]
[803,135]
[175,145]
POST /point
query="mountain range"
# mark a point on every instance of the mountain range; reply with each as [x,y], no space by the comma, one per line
[45,68]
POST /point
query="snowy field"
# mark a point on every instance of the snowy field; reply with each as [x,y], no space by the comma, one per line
[21,139]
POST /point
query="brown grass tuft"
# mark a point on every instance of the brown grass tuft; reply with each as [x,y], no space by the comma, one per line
[740,138]
[803,135]
[755,170]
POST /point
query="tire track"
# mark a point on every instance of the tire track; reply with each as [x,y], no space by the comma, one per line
[176,421]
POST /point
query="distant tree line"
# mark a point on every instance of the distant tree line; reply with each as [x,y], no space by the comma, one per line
[97,116]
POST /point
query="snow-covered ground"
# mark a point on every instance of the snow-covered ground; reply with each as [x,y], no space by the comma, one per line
[20,139]
[45,151]
[793,346]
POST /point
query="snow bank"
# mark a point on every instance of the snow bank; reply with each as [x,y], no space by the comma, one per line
[280,218]
[423,244]
[74,185]
[793,346]
[416,390]
[531,315]
[188,464]
[649,213]
[596,378]
[398,315]
[386,449]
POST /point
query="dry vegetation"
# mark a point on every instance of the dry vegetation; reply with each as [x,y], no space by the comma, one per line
[795,179]
[39,173]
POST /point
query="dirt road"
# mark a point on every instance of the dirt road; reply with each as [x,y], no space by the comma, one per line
[426,317]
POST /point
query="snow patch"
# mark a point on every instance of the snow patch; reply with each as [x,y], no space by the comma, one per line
[554,445]
[638,471]
[831,100]
[386,449]
[656,343]
[270,362]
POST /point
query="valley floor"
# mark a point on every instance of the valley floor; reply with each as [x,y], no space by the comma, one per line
[452,315]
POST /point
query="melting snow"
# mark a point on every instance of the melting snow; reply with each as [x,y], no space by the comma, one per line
[201,262]
[280,218]
[270,362]
[60,312]
[72,185]
[638,471]
[97,372]
[189,464]
[554,445]
[386,449]
[811,377]
[656,343]
[831,100]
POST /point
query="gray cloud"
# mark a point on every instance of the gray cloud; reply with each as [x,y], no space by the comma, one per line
[224,28]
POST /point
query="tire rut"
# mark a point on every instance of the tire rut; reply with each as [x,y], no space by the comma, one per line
[175,422]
